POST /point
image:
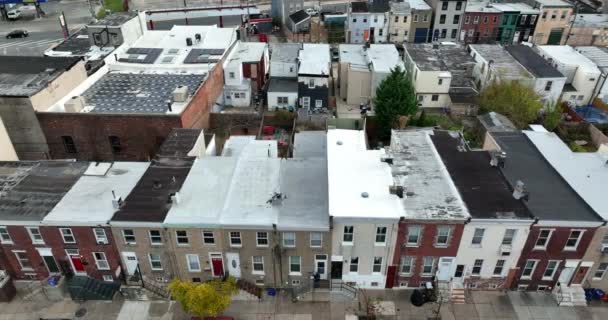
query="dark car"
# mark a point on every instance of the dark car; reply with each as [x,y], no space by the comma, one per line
[17,34]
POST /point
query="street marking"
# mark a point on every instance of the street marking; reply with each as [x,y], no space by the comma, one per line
[34,43]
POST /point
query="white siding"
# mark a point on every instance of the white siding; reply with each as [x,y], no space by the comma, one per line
[292,98]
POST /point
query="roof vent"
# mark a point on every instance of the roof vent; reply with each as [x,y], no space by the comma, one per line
[174,198]
[396,190]
[364,195]
[339,142]
[189,42]
[75,104]
[498,158]
[180,94]
[116,203]
[520,192]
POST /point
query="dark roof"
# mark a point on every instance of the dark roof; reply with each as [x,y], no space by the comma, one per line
[550,197]
[380,6]
[115,19]
[483,189]
[283,85]
[359,6]
[533,62]
[78,44]
[35,65]
[299,16]
[568,87]
[150,200]
[30,190]
[463,95]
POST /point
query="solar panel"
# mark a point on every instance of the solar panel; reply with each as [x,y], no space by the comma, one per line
[202,55]
[150,55]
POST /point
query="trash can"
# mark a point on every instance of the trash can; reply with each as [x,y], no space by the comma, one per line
[271,292]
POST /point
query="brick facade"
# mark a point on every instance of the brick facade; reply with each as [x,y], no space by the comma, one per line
[481,31]
[426,248]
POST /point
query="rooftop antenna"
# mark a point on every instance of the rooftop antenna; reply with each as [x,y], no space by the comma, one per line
[113,195]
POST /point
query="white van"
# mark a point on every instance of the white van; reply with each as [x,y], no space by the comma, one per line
[21,11]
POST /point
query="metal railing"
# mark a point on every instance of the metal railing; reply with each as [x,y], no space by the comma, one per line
[155,287]
[338,284]
[249,287]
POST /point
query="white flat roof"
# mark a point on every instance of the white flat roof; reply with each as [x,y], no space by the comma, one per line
[384,57]
[353,54]
[314,59]
[585,172]
[567,55]
[247,52]
[418,4]
[89,202]
[358,181]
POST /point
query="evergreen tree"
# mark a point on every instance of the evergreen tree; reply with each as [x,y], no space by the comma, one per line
[395,97]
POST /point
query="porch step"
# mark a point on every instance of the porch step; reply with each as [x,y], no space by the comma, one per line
[458,296]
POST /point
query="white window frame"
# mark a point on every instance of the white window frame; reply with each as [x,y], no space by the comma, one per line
[101,238]
[63,236]
[409,233]
[253,263]
[102,259]
[410,265]
[312,234]
[233,235]
[354,262]
[33,237]
[299,264]
[447,236]
[475,265]
[286,239]
[160,236]
[424,265]
[258,238]
[198,261]
[603,271]
[177,237]
[578,240]
[5,234]
[554,270]
[208,235]
[16,253]
[380,234]
[511,239]
[124,236]
[501,266]
[483,233]
[160,260]
[351,232]
[543,247]
[108,278]
[376,264]
[531,272]
[311,83]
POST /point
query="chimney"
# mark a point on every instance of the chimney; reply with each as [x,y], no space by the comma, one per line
[396,190]
[116,203]
[519,192]
[175,198]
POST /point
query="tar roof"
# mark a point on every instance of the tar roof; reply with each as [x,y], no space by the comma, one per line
[90,201]
[115,19]
[428,191]
[379,6]
[30,190]
[299,16]
[439,57]
[504,64]
[359,6]
[496,122]
[400,8]
[314,59]
[310,144]
[77,44]
[384,57]
[486,194]
[533,62]
[526,164]
[24,76]
[358,180]
[585,172]
[285,52]
[283,85]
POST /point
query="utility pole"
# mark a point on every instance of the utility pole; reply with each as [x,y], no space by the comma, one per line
[92,10]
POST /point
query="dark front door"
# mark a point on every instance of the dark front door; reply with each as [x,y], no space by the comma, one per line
[420,35]
[555,37]
[336,269]
[51,264]
[390,276]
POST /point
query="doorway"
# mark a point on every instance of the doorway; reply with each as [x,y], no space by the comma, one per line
[321,266]
[217,264]
[49,260]
[76,261]
[580,275]
[234,264]
[445,268]
[130,259]
[336,269]
[459,271]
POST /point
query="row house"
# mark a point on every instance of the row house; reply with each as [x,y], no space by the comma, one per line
[526,22]
[552,258]
[313,76]
[245,214]
[409,21]
[362,68]
[599,56]
[245,73]
[480,24]
[367,22]
[499,224]
[282,90]
[576,170]
[447,19]
[588,30]
[364,212]
[553,25]
[442,75]
[494,63]
[505,23]
[434,215]
[582,75]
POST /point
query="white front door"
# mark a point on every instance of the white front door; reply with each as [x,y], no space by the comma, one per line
[130,260]
[446,268]
[321,265]
[306,103]
[234,264]
[318,104]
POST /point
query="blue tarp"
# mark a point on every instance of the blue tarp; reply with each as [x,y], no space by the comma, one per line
[592,114]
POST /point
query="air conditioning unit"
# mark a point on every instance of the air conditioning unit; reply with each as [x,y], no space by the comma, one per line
[505,250]
[102,242]
[180,94]
[604,248]
[75,104]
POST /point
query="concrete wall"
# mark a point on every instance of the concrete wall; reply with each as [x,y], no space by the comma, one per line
[59,87]
[595,254]
[23,128]
[357,85]
[7,150]
[546,24]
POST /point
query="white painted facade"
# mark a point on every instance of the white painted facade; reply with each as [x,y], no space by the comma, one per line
[432,88]
[552,95]
[284,69]
[7,151]
[273,101]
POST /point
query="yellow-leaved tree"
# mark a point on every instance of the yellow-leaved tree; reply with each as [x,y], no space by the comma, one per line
[207,299]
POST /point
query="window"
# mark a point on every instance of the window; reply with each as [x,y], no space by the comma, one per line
[258,265]
[554,15]
[282,100]
[208,237]
[467,19]
[375,19]
[68,236]
[261,239]
[529,269]
[365,20]
[396,18]
[550,270]
[507,239]
[601,271]
[478,236]
[316,240]
[35,235]
[380,32]
[5,237]
[231,75]
[477,267]
[68,144]
[523,19]
[476,20]
[548,85]
[427,265]
[348,234]
[415,18]
[454,31]
[129,236]
[406,265]
[100,236]
[289,239]
[533,19]
[564,14]
[444,5]
[500,264]
[581,97]
[543,238]
[425,18]
[440,81]
[544,16]
[155,237]
[420,98]
[354,265]
[380,235]
[495,19]
[573,240]
[444,33]
[235,239]
[458,5]
[377,267]
[294,265]
[442,19]
[194,264]
[485,20]
[311,83]
[471,32]
[404,19]
[115,144]
[435,97]
[182,237]
[23,259]
[413,235]
[155,262]
[354,20]
[443,235]
[456,19]
[108,278]
[101,262]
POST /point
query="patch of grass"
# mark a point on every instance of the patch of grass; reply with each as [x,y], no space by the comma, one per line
[101,13]
[113,5]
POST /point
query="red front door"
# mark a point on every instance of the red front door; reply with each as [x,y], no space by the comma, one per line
[77,262]
[391,276]
[218,267]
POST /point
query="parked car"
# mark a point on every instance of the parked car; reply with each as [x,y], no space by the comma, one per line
[20,12]
[17,34]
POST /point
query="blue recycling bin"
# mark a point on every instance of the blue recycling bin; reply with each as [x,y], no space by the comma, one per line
[271,292]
